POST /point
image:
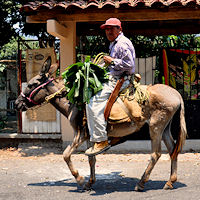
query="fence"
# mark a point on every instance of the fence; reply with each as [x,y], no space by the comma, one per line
[177,67]
[174,61]
[8,94]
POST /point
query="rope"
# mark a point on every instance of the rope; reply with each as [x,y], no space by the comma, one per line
[126,93]
[140,94]
[98,59]
[51,96]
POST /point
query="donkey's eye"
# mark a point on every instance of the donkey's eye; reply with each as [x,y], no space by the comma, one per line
[29,86]
[33,85]
[42,79]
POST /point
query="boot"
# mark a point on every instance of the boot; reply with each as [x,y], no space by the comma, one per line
[99,147]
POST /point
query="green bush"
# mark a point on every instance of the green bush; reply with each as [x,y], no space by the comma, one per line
[2,121]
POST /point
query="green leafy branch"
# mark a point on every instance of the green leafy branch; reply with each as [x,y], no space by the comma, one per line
[83,80]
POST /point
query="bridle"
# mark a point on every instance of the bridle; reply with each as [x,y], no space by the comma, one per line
[29,98]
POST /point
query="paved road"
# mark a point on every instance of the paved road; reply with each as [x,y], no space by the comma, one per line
[41,174]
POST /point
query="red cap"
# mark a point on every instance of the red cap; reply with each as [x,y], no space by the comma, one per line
[111,22]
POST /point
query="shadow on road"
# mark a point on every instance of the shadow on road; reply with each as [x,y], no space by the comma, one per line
[65,182]
[108,183]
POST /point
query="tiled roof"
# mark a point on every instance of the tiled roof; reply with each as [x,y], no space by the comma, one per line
[83,4]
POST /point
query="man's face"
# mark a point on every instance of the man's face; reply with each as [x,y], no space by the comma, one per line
[112,32]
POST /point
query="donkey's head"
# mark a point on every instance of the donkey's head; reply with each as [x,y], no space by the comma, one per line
[36,90]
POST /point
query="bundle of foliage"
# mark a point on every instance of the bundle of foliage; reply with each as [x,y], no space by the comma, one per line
[83,80]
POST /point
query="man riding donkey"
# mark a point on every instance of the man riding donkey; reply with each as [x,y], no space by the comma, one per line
[121,66]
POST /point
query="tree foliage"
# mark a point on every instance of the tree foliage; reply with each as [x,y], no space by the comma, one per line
[8,51]
[144,46]
[7,20]
[10,16]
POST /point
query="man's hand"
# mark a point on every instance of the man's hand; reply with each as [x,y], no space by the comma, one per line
[108,59]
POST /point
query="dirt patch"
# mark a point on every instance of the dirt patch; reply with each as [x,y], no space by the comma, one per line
[27,151]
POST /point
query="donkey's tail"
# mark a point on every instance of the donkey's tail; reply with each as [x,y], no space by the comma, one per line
[182,133]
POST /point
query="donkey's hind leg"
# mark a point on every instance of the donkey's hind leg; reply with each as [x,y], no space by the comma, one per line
[92,179]
[92,161]
[170,144]
[78,140]
[156,127]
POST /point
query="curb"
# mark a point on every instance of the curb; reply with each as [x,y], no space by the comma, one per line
[191,145]
[142,146]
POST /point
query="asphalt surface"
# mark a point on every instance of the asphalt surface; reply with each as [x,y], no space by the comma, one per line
[35,173]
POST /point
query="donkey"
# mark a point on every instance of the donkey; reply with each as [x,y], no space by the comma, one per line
[158,112]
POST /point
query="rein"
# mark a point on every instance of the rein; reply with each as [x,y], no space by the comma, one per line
[33,92]
[51,96]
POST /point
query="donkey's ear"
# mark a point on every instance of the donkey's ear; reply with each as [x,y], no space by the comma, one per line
[53,69]
[46,66]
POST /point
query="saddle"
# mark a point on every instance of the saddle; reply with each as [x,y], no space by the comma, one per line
[125,106]
[130,111]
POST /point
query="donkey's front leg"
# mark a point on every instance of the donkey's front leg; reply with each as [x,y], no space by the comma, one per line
[156,153]
[67,157]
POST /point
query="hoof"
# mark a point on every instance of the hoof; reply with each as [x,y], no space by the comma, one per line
[139,188]
[168,186]
[80,180]
[87,187]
